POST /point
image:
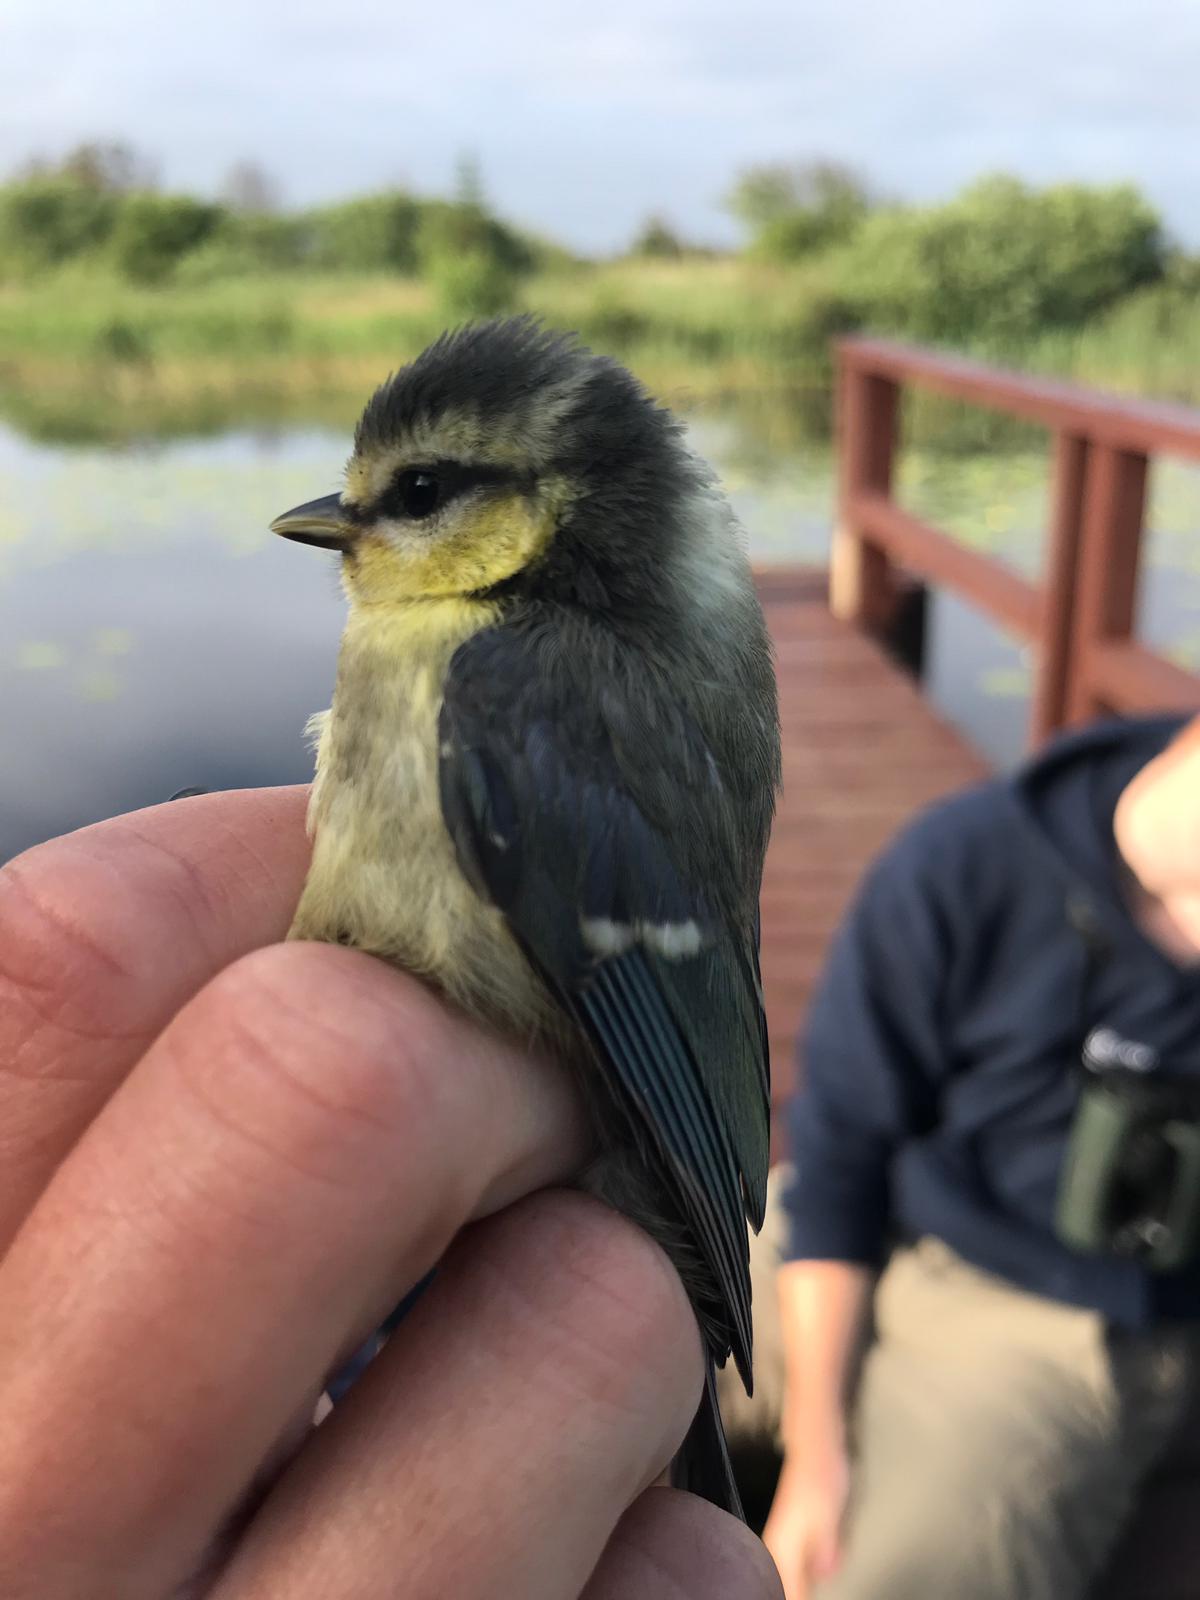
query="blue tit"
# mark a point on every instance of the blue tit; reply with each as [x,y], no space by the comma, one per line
[547,778]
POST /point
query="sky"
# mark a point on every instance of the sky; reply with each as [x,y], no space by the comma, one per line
[586,119]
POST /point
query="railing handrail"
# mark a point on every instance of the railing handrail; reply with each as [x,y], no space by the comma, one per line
[1081,615]
[1126,423]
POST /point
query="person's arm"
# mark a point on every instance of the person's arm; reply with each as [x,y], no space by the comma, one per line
[222,1161]
[872,1060]
[823,1308]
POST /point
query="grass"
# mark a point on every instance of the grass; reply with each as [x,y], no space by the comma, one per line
[86,356]
[1147,345]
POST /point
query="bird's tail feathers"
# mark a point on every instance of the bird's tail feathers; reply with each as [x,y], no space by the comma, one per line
[703,1466]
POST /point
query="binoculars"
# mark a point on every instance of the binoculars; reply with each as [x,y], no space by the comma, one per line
[1130,1184]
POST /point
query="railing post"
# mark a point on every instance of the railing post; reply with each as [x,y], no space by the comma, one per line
[862,590]
[1056,626]
[1114,507]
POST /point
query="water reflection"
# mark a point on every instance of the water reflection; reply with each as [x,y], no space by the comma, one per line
[154,635]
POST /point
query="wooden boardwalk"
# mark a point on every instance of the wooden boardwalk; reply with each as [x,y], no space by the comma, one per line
[862,751]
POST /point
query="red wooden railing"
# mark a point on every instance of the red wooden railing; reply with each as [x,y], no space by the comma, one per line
[1080,617]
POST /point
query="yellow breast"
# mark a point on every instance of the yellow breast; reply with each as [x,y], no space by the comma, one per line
[384,877]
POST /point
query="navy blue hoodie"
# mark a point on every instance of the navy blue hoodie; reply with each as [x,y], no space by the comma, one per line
[940,1062]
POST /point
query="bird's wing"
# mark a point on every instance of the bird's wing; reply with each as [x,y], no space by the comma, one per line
[548,828]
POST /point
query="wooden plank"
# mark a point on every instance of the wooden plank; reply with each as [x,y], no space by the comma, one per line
[1132,679]
[1124,424]
[1056,663]
[861,586]
[1114,502]
[922,548]
[785,582]
[862,753]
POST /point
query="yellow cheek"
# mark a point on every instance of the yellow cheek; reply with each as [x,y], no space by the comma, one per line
[497,541]
[491,544]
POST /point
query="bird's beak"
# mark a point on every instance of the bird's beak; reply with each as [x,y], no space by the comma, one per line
[321,522]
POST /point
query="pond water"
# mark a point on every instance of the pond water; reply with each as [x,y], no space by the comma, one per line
[154,635]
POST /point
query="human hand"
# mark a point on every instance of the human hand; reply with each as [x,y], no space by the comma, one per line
[1157,830]
[222,1161]
[804,1530]
[1156,823]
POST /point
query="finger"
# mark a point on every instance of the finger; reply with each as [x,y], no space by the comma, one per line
[540,1385]
[104,934]
[296,1149]
[225,1538]
[673,1546]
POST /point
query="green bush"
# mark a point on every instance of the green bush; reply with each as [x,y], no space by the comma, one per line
[154,231]
[804,233]
[546,255]
[1182,275]
[615,326]
[46,221]
[657,240]
[122,343]
[1002,261]
[471,283]
[472,260]
[377,233]
[246,245]
[797,210]
[451,228]
[265,239]
[806,328]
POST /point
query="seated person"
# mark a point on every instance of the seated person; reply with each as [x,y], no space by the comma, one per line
[1021,954]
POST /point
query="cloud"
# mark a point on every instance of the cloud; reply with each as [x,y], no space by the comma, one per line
[587,120]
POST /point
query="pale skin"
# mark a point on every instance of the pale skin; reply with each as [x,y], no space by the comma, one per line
[824,1304]
[222,1160]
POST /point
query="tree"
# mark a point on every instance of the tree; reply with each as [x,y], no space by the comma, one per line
[468,182]
[249,189]
[1002,261]
[792,209]
[473,260]
[375,233]
[657,239]
[107,166]
[762,194]
[154,231]
[46,220]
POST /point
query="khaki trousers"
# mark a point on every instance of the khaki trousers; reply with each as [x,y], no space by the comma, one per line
[999,1438]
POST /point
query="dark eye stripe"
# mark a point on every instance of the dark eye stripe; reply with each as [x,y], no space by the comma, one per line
[454,478]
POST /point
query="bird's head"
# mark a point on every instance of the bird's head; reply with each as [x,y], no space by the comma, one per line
[506,455]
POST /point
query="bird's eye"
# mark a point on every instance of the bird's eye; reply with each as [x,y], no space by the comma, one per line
[420,493]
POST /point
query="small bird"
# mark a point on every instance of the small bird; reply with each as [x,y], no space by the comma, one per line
[547,778]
